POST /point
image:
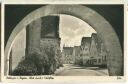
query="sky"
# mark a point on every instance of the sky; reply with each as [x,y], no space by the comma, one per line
[72,30]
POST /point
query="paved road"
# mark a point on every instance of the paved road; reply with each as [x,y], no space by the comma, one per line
[72,70]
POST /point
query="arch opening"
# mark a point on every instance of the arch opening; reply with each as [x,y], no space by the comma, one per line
[99,24]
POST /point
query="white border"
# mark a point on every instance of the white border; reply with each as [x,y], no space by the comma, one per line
[2,40]
[63,1]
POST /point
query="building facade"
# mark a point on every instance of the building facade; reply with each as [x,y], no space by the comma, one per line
[91,52]
[85,50]
[97,51]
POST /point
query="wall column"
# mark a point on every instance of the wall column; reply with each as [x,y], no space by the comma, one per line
[33,33]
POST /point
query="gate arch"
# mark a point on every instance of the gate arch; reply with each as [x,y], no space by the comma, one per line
[104,30]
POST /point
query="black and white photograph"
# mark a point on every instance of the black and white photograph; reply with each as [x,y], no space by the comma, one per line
[64,40]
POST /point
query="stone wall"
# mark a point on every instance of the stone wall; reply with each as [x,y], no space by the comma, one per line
[18,50]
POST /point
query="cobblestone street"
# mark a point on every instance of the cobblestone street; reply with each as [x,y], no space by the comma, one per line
[74,70]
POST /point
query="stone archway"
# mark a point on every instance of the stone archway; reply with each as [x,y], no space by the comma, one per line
[104,30]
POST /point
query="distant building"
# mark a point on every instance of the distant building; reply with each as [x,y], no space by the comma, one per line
[85,49]
[97,51]
[76,55]
[94,51]
[68,55]
[91,52]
